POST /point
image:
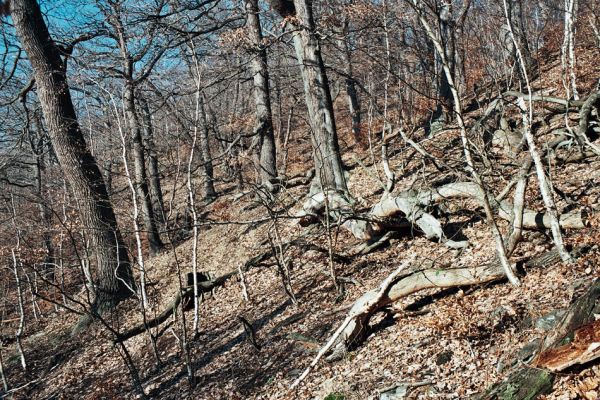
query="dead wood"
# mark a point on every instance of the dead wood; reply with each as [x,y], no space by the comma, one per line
[425,276]
[186,294]
[363,303]
[546,99]
[584,348]
[414,205]
[531,381]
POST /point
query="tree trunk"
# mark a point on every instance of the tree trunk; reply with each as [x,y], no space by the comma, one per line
[351,93]
[38,143]
[114,279]
[209,185]
[443,112]
[141,178]
[264,120]
[139,158]
[156,193]
[328,161]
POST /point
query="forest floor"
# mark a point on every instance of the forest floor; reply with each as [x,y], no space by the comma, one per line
[449,343]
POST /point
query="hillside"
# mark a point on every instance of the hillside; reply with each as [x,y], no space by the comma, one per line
[444,246]
[436,343]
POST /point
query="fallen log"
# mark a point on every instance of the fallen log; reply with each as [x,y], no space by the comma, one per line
[414,206]
[531,219]
[406,280]
[584,348]
[367,303]
[419,278]
[186,294]
[546,99]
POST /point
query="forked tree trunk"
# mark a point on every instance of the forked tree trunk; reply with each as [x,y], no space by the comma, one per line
[328,161]
[264,120]
[114,279]
[135,130]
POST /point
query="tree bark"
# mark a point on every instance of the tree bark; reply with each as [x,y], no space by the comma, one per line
[37,143]
[209,184]
[114,279]
[139,158]
[141,177]
[156,193]
[351,92]
[443,112]
[328,161]
[264,120]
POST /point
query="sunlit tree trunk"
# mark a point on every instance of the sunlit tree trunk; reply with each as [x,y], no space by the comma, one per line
[114,279]
[328,161]
[264,120]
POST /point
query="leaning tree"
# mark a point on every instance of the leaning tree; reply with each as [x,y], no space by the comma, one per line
[114,280]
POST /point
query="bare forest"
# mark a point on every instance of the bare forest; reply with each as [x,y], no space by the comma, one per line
[300,199]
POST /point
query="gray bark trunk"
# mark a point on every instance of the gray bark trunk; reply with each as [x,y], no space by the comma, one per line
[38,144]
[351,93]
[139,158]
[141,177]
[207,162]
[328,161]
[156,193]
[114,276]
[264,120]
[443,112]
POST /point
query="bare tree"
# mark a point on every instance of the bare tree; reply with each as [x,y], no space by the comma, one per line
[317,93]
[114,278]
[128,61]
[264,120]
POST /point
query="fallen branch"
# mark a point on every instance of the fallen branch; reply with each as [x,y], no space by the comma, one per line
[415,280]
[207,286]
[546,99]
[188,293]
[368,303]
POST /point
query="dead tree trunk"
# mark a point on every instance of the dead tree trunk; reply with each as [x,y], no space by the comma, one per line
[419,277]
[531,381]
[114,280]
[328,161]
[264,120]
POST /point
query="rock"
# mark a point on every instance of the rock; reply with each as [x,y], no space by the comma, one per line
[443,357]
[396,393]
[548,321]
